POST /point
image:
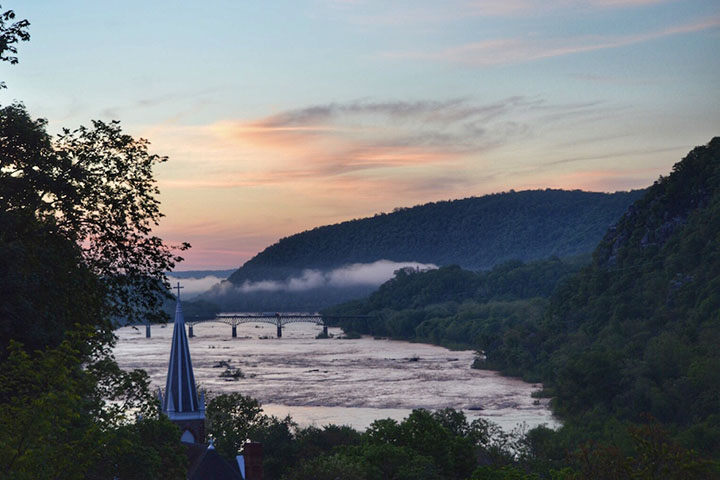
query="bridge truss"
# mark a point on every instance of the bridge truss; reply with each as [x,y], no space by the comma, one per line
[277,319]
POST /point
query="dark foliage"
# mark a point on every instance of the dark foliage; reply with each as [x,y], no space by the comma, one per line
[75,244]
[95,187]
[425,445]
[444,445]
[55,422]
[455,307]
[44,288]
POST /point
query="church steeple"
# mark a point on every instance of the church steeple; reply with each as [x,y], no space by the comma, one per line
[181,402]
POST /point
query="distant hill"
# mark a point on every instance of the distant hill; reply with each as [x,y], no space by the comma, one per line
[335,263]
[474,233]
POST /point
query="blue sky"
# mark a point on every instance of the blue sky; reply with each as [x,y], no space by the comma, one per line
[282,116]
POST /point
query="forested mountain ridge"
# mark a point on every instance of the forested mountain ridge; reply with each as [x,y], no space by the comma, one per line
[637,331]
[631,337]
[475,233]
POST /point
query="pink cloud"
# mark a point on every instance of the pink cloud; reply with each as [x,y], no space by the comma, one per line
[376,13]
[528,49]
[345,139]
[354,143]
[526,7]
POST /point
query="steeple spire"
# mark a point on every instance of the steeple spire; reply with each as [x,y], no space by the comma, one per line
[181,402]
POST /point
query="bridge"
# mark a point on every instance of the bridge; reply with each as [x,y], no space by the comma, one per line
[277,319]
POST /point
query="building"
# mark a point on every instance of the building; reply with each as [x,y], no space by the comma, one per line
[186,409]
[180,401]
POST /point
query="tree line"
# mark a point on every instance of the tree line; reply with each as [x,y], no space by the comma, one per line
[438,445]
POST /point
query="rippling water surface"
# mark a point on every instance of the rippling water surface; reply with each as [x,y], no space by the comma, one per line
[350,382]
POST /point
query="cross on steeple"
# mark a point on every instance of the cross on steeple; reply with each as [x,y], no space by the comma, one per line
[178,289]
[180,401]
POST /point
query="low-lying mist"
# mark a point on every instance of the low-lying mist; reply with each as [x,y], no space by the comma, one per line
[310,289]
[356,274]
[192,287]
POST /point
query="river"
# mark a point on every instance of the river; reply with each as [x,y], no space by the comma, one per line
[341,381]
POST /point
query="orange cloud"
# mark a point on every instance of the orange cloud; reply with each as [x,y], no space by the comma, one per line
[352,138]
[354,142]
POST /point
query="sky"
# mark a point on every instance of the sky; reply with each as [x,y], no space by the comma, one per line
[281,116]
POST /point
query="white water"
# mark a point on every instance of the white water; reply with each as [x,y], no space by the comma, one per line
[348,382]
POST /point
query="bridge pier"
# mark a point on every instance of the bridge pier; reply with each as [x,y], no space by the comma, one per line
[147,331]
[278,322]
[325,333]
[234,331]
[190,331]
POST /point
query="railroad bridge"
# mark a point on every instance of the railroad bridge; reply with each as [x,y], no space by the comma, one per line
[277,319]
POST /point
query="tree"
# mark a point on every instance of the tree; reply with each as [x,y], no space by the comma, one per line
[76,247]
[95,187]
[64,402]
[44,288]
[110,211]
[234,418]
[11,33]
[56,422]
[329,468]
[394,462]
[231,418]
[279,445]
[313,441]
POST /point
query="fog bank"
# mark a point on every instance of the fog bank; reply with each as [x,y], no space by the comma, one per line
[353,275]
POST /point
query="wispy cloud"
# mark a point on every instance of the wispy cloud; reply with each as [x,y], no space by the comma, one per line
[363,143]
[616,154]
[527,7]
[149,102]
[530,48]
[415,12]
[424,111]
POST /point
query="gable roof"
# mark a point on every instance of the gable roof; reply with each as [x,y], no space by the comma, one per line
[206,464]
